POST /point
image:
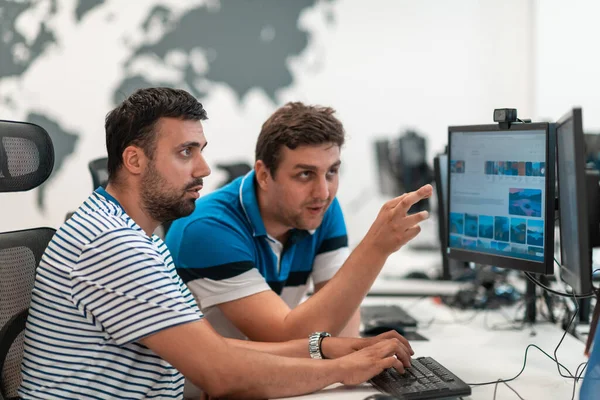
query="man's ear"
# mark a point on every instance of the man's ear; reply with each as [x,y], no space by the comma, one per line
[262,173]
[134,160]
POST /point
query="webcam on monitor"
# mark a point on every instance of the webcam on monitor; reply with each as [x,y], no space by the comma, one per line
[505,115]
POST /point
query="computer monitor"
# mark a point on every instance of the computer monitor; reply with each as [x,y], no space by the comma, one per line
[501,195]
[386,172]
[577,203]
[592,150]
[402,166]
[451,269]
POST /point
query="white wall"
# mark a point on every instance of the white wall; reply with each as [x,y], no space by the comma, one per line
[567,60]
[385,65]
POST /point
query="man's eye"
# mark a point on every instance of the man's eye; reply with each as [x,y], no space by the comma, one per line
[186,152]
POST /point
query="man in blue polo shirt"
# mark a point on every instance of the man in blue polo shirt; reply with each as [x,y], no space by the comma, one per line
[248,250]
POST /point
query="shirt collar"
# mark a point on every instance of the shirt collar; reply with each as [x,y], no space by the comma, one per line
[110,198]
[249,203]
[102,192]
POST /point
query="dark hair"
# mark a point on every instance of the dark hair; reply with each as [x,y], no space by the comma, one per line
[132,122]
[296,124]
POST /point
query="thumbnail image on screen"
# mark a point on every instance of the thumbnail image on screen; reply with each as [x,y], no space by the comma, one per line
[497,193]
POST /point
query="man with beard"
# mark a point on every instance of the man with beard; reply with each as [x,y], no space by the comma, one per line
[249,249]
[111,319]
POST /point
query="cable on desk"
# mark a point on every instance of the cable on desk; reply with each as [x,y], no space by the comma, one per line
[512,323]
[579,376]
[522,368]
[558,345]
[510,387]
[575,377]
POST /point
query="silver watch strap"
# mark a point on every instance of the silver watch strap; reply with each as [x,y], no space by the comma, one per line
[314,344]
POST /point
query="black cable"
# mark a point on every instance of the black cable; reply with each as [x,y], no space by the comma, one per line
[575,377]
[560,342]
[510,387]
[578,377]
[512,323]
[522,369]
[546,288]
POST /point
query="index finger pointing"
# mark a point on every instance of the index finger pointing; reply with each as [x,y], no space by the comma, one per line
[411,198]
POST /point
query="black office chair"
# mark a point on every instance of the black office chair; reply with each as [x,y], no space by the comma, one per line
[99,170]
[234,171]
[26,161]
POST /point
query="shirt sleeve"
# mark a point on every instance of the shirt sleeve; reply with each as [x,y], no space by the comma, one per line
[216,261]
[332,250]
[122,283]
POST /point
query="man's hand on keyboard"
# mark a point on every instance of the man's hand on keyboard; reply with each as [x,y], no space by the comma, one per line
[364,364]
[334,347]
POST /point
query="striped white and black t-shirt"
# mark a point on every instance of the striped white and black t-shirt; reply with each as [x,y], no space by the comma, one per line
[103,284]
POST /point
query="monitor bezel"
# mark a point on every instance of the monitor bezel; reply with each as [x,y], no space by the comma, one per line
[579,284]
[442,214]
[547,266]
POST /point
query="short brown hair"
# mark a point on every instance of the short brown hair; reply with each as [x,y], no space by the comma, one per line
[296,124]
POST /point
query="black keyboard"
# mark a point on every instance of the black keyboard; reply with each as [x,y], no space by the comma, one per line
[372,315]
[425,379]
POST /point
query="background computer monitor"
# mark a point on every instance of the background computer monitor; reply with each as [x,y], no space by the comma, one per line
[402,166]
[501,195]
[577,203]
[592,150]
[451,269]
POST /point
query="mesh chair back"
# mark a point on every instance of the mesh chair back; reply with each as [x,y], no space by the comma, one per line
[26,156]
[26,161]
[99,170]
[20,254]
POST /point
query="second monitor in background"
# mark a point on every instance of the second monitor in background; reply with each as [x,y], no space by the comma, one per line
[451,269]
[578,204]
[501,196]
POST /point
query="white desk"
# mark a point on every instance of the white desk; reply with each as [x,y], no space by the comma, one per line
[415,287]
[462,343]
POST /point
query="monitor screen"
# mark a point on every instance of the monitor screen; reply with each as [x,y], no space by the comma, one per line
[572,204]
[500,199]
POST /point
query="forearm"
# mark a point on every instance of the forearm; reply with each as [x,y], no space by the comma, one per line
[292,348]
[332,307]
[256,375]
[352,328]
[225,371]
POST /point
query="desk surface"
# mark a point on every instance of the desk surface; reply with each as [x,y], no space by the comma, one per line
[473,346]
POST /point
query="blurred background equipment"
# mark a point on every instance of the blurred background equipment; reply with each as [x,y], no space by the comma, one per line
[402,166]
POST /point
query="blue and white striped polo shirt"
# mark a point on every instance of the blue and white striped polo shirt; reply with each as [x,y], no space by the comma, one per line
[223,253]
[103,284]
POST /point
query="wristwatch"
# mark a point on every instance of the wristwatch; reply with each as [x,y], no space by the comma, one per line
[314,344]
